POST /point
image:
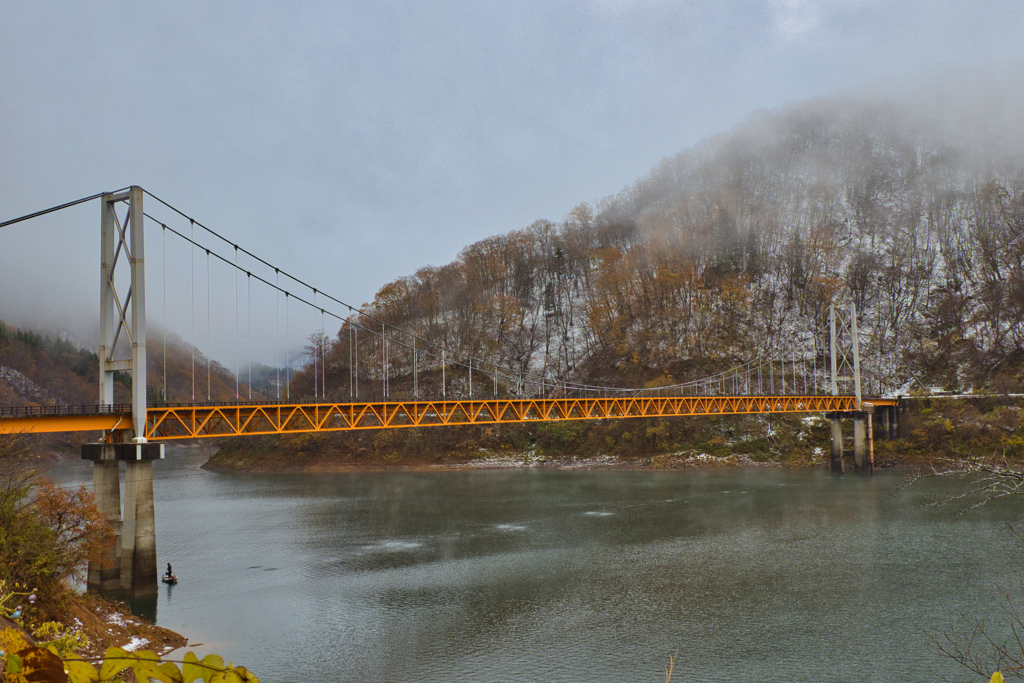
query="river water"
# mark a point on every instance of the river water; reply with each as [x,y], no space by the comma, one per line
[536,575]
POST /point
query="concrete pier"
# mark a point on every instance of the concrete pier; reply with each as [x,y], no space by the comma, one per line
[861,460]
[138,545]
[131,565]
[104,572]
[837,444]
[863,440]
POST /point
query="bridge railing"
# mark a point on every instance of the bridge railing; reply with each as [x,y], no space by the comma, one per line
[64,410]
[126,408]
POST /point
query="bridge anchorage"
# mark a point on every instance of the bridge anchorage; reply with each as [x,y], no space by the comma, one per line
[135,434]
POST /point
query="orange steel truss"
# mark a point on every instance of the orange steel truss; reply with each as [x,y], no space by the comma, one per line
[196,422]
[65,423]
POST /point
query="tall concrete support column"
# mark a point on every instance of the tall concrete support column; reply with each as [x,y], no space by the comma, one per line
[138,556]
[128,529]
[837,445]
[863,440]
[860,441]
[132,567]
[105,572]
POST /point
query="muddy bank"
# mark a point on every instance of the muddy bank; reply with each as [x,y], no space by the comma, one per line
[932,427]
[691,460]
[636,443]
[109,622]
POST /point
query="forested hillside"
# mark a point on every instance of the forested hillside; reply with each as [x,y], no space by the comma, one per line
[734,249]
[39,370]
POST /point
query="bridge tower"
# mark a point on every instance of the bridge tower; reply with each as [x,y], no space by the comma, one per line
[131,565]
[844,349]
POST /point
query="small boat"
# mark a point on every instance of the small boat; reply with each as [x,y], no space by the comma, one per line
[171,579]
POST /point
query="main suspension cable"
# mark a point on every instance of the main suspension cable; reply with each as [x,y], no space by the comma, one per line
[413,345]
[370,318]
[59,207]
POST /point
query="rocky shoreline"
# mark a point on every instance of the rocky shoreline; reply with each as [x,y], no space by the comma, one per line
[683,460]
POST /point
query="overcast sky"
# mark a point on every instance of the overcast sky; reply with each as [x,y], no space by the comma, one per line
[355,142]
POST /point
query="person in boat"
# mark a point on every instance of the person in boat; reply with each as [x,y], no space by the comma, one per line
[169,574]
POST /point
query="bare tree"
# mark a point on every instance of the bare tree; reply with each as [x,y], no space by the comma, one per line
[995,644]
[983,479]
[974,645]
[15,464]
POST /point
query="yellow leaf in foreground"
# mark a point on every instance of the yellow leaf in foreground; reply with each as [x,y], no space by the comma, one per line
[80,671]
[114,661]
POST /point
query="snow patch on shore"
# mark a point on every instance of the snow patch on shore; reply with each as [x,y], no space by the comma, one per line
[135,643]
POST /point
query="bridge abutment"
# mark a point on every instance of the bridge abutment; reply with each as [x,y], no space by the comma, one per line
[130,566]
[883,420]
[887,420]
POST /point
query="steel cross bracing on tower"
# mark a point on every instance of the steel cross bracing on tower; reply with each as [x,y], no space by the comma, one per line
[123,237]
[844,347]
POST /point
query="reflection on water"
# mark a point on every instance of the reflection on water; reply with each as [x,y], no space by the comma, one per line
[568,576]
[144,605]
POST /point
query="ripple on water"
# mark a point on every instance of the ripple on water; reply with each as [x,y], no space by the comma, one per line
[392,546]
[435,583]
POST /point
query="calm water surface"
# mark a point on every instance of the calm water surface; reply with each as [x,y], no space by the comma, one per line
[531,575]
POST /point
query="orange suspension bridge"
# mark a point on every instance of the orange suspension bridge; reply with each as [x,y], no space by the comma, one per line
[134,432]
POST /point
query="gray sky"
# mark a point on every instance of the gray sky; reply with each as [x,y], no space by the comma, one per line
[354,142]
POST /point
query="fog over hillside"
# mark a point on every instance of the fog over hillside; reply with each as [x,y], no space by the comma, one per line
[908,201]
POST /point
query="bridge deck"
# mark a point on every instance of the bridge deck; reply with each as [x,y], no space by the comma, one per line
[208,421]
